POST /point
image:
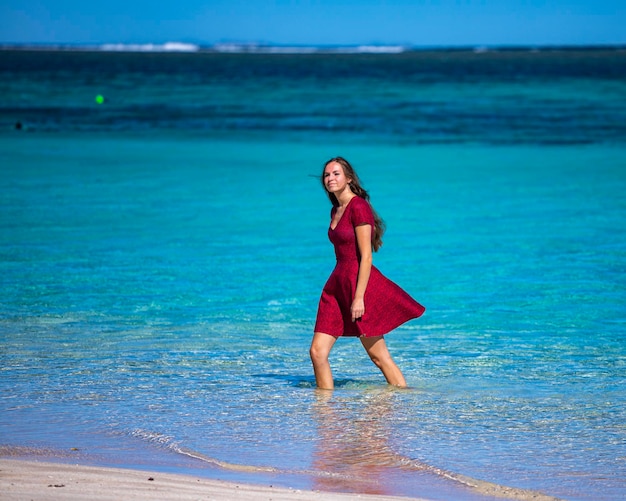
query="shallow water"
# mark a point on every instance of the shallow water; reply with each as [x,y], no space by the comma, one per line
[159,290]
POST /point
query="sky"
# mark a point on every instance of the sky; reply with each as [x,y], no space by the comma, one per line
[420,23]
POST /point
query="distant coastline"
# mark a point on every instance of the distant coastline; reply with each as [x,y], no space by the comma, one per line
[254,48]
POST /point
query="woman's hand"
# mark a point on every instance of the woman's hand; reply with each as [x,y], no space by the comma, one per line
[357,309]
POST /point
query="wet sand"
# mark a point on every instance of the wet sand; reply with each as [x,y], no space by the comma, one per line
[45,481]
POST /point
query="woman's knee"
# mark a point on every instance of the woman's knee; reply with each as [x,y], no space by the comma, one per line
[377,351]
[319,351]
[316,354]
[380,360]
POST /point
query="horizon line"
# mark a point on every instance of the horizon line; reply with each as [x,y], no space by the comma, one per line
[269,48]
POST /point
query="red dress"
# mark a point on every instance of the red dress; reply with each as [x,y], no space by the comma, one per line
[386,305]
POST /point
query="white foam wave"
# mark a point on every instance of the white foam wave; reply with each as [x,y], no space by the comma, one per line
[150,47]
[299,49]
[234,48]
[381,49]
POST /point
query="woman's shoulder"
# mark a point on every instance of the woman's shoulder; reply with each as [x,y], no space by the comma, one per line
[359,202]
[361,211]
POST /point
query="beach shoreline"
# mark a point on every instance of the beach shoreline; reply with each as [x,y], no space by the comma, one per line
[27,476]
[42,480]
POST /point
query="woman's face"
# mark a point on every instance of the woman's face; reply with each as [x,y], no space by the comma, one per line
[335,179]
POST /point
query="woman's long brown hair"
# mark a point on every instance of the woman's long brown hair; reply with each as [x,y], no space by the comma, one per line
[357,189]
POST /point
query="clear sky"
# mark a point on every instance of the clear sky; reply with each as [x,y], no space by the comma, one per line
[315,22]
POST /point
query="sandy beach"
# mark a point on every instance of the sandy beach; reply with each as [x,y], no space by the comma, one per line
[42,481]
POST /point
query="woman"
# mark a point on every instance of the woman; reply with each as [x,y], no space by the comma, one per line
[357,299]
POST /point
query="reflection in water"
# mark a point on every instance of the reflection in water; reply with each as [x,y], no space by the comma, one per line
[353,454]
[352,448]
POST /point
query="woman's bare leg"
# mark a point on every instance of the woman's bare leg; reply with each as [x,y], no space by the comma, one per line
[377,350]
[320,349]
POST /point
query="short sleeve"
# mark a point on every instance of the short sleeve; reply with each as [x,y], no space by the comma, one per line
[361,212]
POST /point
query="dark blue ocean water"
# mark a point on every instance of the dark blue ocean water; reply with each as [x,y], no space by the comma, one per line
[162,255]
[511,97]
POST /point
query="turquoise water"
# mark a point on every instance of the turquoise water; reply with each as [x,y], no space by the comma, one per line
[159,288]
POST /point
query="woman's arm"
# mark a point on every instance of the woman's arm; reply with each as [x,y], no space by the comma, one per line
[364,241]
